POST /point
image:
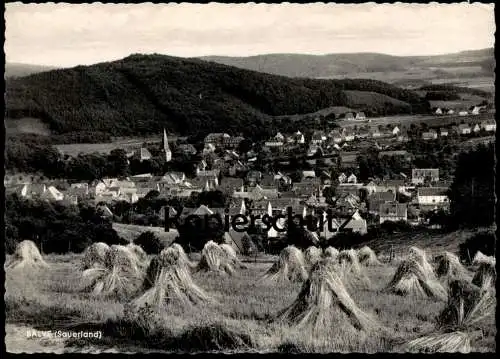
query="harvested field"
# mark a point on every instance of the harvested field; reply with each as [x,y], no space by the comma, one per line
[228,312]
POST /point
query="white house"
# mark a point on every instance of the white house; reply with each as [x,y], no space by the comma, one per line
[360,116]
[273,144]
[476,128]
[432,196]
[450,112]
[462,113]
[489,126]
[464,129]
[438,111]
[396,131]
[279,137]
[342,178]
[299,137]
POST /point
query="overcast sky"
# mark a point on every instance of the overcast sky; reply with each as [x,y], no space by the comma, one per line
[68,35]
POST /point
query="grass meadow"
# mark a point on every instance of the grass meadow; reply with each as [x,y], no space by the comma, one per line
[50,300]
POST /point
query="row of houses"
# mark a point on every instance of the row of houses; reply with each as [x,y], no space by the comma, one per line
[461,130]
[473,110]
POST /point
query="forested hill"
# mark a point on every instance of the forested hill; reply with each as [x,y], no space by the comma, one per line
[141,94]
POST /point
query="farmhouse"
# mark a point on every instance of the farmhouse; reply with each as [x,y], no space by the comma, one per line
[476,128]
[443,132]
[432,196]
[378,198]
[393,212]
[355,224]
[464,129]
[395,131]
[438,111]
[463,113]
[422,175]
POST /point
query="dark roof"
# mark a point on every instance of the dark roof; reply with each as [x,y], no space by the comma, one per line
[382,196]
[393,210]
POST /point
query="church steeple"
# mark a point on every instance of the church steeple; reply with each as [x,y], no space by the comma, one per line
[166,147]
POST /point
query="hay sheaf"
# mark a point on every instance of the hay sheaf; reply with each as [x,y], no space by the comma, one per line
[172,285]
[421,257]
[411,279]
[26,256]
[460,322]
[141,255]
[448,265]
[331,253]
[485,276]
[482,258]
[120,276]
[350,271]
[289,267]
[95,255]
[367,257]
[324,306]
[215,259]
[312,255]
[232,256]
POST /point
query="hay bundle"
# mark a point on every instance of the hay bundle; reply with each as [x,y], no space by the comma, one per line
[482,258]
[411,279]
[140,254]
[215,258]
[183,256]
[458,324]
[290,267]
[421,257]
[367,257]
[331,253]
[448,265]
[232,256]
[120,276]
[323,306]
[350,271]
[312,255]
[95,255]
[26,256]
[348,261]
[485,276]
[172,284]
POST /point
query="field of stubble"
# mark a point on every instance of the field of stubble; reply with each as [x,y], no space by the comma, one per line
[49,300]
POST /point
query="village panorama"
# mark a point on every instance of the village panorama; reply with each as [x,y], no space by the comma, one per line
[189,196]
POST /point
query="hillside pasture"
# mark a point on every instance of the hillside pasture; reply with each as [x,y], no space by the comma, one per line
[49,300]
[128,144]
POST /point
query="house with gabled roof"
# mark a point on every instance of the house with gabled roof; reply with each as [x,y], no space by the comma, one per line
[376,199]
[393,212]
[355,223]
[422,175]
[464,129]
[443,132]
[349,116]
[360,116]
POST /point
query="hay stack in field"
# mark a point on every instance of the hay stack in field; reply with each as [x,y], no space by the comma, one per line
[120,276]
[95,255]
[215,258]
[459,323]
[290,267]
[482,258]
[26,256]
[350,271]
[348,261]
[312,255]
[421,257]
[411,279]
[367,257]
[324,306]
[232,256]
[183,256]
[448,265]
[172,284]
[331,253]
[485,276]
[140,254]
